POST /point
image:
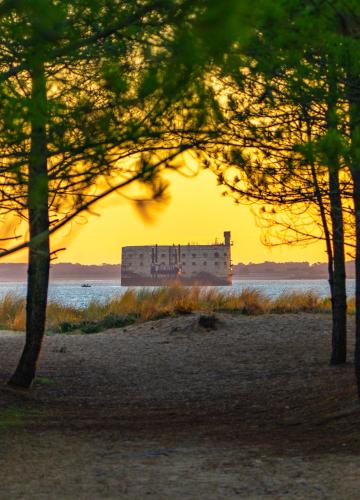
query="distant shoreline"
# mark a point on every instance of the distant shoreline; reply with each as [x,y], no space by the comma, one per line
[236,278]
[17,272]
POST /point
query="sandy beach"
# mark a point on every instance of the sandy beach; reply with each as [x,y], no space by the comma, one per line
[171,409]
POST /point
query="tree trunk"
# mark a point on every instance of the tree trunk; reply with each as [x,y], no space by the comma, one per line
[356,194]
[336,262]
[352,91]
[325,225]
[39,250]
[339,306]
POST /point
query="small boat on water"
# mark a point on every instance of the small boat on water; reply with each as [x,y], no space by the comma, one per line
[85,285]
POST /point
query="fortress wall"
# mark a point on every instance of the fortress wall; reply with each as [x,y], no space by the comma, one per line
[193,259]
[214,259]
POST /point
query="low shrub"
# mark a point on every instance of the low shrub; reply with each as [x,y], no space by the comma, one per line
[93,326]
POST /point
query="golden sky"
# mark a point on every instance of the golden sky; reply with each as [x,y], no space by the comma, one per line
[197,212]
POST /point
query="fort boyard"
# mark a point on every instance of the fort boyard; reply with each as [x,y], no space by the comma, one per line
[189,264]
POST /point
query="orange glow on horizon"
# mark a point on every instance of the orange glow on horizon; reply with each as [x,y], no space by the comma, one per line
[197,213]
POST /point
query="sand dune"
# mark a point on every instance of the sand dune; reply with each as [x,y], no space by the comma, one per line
[168,408]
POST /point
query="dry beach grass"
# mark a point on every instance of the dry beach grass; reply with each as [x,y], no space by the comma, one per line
[247,407]
[146,304]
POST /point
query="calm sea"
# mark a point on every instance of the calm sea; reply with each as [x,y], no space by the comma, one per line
[72,293]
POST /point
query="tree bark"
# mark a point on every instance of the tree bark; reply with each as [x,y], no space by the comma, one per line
[39,248]
[339,306]
[352,91]
[356,194]
[336,265]
[327,234]
[335,241]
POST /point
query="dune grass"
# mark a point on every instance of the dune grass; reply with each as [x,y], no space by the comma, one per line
[16,416]
[146,304]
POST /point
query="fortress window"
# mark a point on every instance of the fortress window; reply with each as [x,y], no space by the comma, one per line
[163,255]
[204,263]
[216,254]
[193,255]
[141,264]
[205,254]
[141,255]
[184,263]
[194,263]
[225,254]
[216,263]
[183,255]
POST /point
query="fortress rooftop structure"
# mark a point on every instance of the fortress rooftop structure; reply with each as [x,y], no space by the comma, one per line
[159,265]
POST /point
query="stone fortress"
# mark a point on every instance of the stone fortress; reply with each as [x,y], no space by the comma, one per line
[186,264]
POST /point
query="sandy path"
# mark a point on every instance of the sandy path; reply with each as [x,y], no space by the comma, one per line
[168,409]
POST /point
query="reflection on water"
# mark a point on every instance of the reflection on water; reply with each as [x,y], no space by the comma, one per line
[72,293]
